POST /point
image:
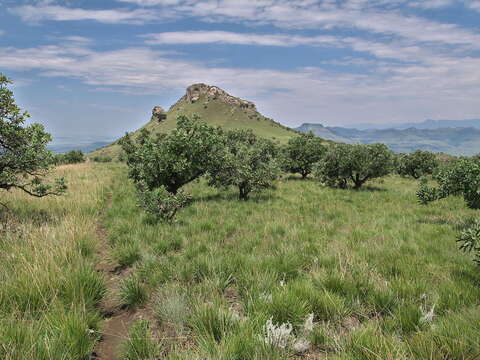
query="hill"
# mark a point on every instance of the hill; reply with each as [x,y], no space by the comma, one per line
[214,106]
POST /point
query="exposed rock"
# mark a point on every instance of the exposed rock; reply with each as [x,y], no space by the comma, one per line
[158,114]
[196,91]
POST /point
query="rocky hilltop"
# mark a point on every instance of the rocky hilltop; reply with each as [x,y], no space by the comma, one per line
[214,106]
[207,93]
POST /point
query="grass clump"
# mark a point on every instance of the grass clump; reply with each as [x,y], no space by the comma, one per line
[140,344]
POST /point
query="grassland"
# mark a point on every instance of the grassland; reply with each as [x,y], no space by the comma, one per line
[381,274]
[215,113]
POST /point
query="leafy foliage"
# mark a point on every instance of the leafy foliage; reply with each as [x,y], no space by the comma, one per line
[417,164]
[301,153]
[248,162]
[344,163]
[71,157]
[175,159]
[461,178]
[162,204]
[469,239]
[161,165]
[24,159]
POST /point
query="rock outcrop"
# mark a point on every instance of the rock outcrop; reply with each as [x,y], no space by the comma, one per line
[197,91]
[158,114]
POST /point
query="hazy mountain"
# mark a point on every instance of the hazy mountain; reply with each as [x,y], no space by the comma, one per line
[449,140]
[323,132]
[427,124]
[87,144]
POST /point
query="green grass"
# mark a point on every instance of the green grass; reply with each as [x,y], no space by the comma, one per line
[50,288]
[368,264]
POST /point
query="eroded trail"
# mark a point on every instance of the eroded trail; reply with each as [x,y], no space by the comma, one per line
[117,318]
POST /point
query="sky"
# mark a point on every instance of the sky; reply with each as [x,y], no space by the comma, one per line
[97,67]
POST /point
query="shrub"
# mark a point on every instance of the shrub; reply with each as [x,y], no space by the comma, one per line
[469,239]
[461,178]
[161,204]
[417,164]
[102,158]
[301,153]
[160,166]
[344,163]
[71,157]
[248,162]
[24,159]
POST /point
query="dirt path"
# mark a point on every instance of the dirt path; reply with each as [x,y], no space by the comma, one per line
[117,319]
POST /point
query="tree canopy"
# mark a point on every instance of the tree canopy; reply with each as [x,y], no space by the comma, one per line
[301,153]
[24,159]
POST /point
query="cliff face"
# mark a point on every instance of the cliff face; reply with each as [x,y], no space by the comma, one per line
[208,93]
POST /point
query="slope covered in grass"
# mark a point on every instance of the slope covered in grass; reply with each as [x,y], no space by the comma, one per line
[50,288]
[381,274]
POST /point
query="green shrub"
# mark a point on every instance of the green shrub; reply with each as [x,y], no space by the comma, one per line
[461,178]
[71,157]
[301,153]
[248,163]
[344,163]
[24,159]
[417,164]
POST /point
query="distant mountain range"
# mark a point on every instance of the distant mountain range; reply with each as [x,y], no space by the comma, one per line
[453,137]
[427,124]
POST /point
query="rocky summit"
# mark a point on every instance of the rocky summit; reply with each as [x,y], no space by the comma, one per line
[208,93]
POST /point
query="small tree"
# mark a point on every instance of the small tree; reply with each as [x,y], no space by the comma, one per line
[301,153]
[24,159]
[71,157]
[461,178]
[417,164]
[248,163]
[357,164]
[161,165]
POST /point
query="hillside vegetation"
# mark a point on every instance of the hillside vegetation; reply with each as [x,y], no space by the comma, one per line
[214,110]
[382,282]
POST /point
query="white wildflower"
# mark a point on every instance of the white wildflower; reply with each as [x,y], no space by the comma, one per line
[308,325]
[301,345]
[278,335]
[427,315]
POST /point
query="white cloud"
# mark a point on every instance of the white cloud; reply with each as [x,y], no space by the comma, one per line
[35,14]
[391,92]
[226,37]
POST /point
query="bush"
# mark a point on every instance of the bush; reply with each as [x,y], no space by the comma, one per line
[161,204]
[24,159]
[102,159]
[469,239]
[461,178]
[247,162]
[417,164]
[301,153]
[71,157]
[356,164]
[161,165]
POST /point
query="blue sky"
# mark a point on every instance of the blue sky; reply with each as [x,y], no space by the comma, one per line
[97,67]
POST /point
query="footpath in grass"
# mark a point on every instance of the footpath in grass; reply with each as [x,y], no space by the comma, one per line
[50,288]
[379,275]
